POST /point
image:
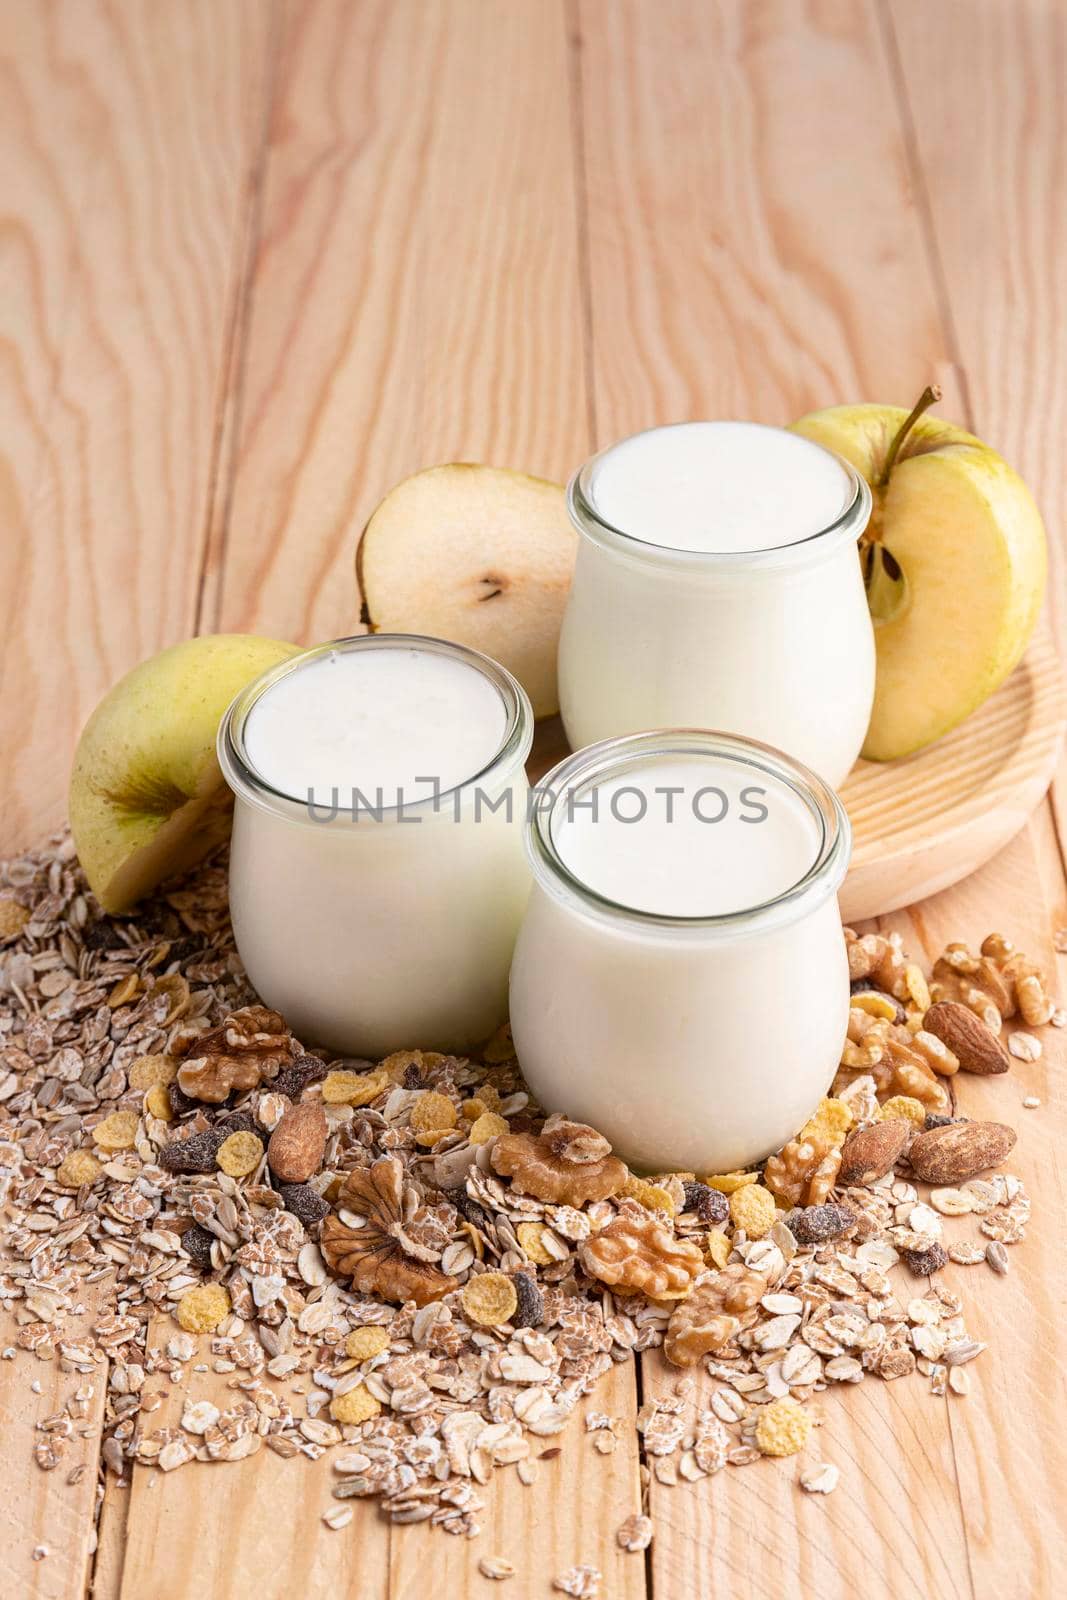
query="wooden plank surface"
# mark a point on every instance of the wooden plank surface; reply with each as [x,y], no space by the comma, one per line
[259,260]
[46,1517]
[126,135]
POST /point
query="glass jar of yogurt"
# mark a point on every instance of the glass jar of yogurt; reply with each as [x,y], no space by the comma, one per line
[680,979]
[377,872]
[718,585]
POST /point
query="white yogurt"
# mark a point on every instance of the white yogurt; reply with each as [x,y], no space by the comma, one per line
[717,585]
[377,875]
[680,981]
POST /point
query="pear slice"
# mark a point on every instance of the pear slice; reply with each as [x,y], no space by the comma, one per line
[478,555]
[956,566]
[147,796]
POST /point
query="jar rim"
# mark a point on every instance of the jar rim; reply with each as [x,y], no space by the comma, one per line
[846,528]
[613,757]
[250,784]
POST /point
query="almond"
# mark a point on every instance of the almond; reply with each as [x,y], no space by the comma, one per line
[974,1045]
[297,1144]
[869,1153]
[959,1151]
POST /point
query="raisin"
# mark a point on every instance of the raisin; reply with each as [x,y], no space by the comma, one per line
[933,1121]
[304,1202]
[468,1208]
[815,1224]
[923,1262]
[294,1079]
[195,1154]
[101,935]
[412,1076]
[709,1204]
[530,1311]
[180,1102]
[197,1242]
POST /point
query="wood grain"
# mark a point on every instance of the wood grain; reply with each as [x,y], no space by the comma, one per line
[46,1522]
[393,323]
[1007,324]
[924,822]
[258,261]
[1006,1445]
[737,264]
[125,137]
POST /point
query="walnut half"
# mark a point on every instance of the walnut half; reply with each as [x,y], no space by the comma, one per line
[717,1309]
[247,1049]
[638,1251]
[566,1164]
[384,1257]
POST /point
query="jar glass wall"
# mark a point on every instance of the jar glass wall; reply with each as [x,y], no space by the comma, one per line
[693,623]
[696,1042]
[372,925]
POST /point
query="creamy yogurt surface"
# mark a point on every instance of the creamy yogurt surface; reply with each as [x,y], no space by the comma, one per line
[381,720]
[719,486]
[687,836]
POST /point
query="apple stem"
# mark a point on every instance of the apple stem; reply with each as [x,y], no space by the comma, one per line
[929,397]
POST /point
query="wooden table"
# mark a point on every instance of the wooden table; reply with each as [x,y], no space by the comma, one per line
[258,260]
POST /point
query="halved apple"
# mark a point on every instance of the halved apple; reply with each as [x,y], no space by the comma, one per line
[147,796]
[955,561]
[478,555]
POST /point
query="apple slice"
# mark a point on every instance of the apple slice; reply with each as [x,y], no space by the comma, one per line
[955,561]
[147,797]
[478,555]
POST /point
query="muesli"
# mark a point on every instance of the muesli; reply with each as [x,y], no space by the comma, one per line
[406,1263]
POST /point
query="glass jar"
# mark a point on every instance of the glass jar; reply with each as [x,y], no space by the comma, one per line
[379,918]
[718,585]
[694,1042]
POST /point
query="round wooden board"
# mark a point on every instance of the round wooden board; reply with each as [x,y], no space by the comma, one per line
[924,822]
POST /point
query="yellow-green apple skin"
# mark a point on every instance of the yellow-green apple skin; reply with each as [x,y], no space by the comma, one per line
[147,797]
[969,541]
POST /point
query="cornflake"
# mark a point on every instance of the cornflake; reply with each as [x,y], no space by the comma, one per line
[201,1310]
[355,1405]
[489,1299]
[240,1154]
[117,1132]
[782,1428]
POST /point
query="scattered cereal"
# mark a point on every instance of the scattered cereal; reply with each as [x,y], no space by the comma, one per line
[650,1195]
[635,1534]
[905,1106]
[433,1111]
[753,1209]
[240,1154]
[496,1568]
[363,1343]
[727,1182]
[355,1405]
[148,1071]
[200,1310]
[117,1132]
[487,1126]
[157,1103]
[437,1225]
[81,1166]
[489,1299]
[354,1088]
[821,1478]
[783,1427]
[530,1237]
